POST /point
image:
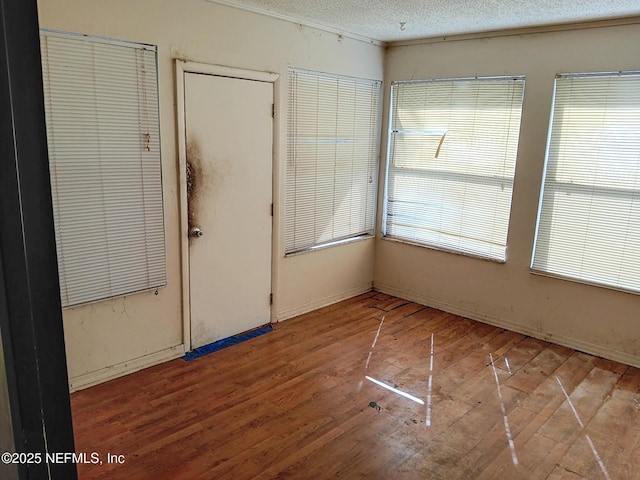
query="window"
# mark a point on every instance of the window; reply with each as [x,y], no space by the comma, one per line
[589,217]
[101,105]
[451,162]
[333,144]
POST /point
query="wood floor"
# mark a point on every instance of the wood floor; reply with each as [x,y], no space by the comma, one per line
[469,401]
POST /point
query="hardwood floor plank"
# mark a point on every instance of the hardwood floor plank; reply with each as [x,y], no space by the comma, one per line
[539,368]
[613,434]
[520,354]
[568,421]
[560,473]
[537,454]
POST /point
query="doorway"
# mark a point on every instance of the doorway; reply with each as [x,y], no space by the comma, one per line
[227,147]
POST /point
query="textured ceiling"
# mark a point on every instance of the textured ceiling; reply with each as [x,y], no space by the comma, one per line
[394,20]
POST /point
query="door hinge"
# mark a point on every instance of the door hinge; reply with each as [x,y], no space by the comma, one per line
[273,110]
[272,209]
[271,299]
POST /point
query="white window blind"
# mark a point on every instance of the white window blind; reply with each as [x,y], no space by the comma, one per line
[332,157]
[589,218]
[101,103]
[451,162]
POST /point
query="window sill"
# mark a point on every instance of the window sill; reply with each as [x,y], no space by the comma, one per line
[334,243]
[541,273]
[441,249]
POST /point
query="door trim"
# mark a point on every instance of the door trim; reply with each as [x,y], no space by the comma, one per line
[181,68]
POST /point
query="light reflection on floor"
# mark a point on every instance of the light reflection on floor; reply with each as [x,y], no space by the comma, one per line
[395,390]
[430,386]
[579,420]
[373,345]
[506,363]
[507,428]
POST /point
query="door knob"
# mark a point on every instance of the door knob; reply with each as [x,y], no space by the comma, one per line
[195,232]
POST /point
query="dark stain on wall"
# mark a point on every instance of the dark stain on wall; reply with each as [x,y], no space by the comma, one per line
[194,177]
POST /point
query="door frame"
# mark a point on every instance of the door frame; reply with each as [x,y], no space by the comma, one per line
[181,68]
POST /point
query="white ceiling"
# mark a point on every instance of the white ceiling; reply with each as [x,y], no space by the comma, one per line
[395,20]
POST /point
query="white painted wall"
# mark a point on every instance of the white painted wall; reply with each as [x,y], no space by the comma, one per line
[593,319]
[114,337]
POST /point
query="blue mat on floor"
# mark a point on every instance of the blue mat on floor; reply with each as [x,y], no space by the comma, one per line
[224,343]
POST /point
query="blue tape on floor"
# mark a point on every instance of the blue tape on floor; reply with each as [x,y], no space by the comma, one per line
[224,343]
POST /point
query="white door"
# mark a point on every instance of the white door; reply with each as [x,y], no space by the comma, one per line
[228,124]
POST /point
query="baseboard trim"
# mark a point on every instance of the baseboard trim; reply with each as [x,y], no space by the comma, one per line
[323,302]
[552,337]
[125,368]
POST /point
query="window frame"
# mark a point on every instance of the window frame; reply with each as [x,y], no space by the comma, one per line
[426,173]
[103,129]
[555,186]
[372,163]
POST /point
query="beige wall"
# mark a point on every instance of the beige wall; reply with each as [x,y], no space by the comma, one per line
[593,319]
[110,338]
